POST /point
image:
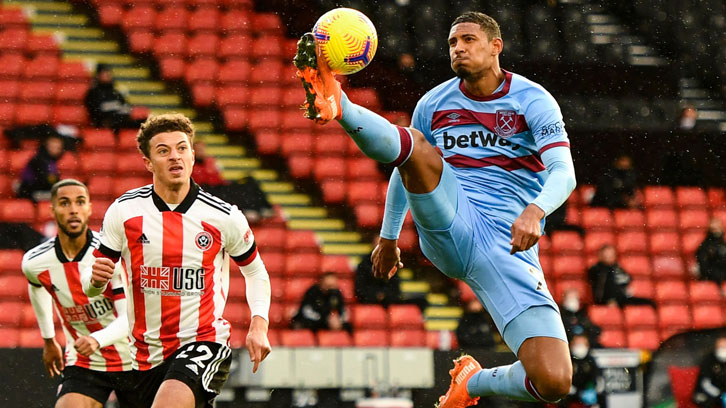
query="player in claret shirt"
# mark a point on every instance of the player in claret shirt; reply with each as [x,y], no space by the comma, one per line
[97,359]
[175,240]
[485,160]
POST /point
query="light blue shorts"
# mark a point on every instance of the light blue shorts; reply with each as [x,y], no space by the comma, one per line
[464,243]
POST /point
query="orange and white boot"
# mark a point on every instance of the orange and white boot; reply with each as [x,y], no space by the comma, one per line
[322,90]
[457,396]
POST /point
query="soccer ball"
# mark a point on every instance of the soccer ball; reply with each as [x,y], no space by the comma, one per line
[347,40]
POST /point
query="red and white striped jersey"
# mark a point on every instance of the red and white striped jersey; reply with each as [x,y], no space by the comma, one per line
[176,267]
[46,265]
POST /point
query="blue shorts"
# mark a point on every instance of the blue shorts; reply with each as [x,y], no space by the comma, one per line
[466,244]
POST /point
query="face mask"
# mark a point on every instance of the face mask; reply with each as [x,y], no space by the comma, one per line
[579,351]
[688,123]
[571,305]
[721,354]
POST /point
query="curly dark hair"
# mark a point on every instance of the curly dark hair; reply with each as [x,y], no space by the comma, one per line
[487,23]
[166,122]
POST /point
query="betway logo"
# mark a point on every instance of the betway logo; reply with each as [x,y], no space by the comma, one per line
[464,372]
[476,139]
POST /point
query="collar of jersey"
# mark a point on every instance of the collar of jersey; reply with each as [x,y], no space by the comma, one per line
[183,206]
[496,95]
[62,257]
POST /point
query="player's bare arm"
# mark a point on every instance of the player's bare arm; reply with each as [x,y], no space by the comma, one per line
[257,342]
[102,272]
[386,259]
[527,229]
[53,357]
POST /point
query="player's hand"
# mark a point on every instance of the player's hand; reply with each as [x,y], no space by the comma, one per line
[526,229]
[102,272]
[53,357]
[257,343]
[86,345]
[386,259]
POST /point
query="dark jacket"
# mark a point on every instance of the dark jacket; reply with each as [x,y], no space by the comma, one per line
[369,289]
[475,331]
[39,174]
[712,374]
[711,256]
[608,282]
[106,106]
[317,306]
[579,323]
[588,385]
[614,188]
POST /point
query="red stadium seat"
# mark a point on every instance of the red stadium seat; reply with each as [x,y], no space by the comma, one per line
[14,287]
[263,119]
[13,40]
[363,169]
[327,168]
[141,41]
[691,197]
[30,338]
[121,185]
[637,266]
[76,115]
[707,316]
[632,242]
[338,264]
[32,114]
[12,313]
[334,339]
[265,96]
[73,71]
[236,21]
[716,197]
[13,17]
[266,23]
[17,210]
[607,317]
[363,192]
[203,69]
[643,340]
[172,68]
[295,289]
[568,266]
[237,314]
[629,219]
[98,139]
[330,144]
[235,71]
[266,71]
[297,338]
[12,65]
[268,46]
[661,219]
[370,338]
[564,242]
[268,142]
[99,163]
[295,143]
[300,165]
[701,292]
[671,292]
[139,17]
[642,288]
[408,338]
[19,159]
[281,315]
[368,317]
[41,43]
[71,92]
[9,89]
[10,260]
[236,46]
[294,120]
[368,215]
[658,196]
[172,19]
[40,91]
[690,241]
[235,95]
[235,119]
[333,191]
[612,338]
[170,44]
[662,243]
[270,237]
[596,240]
[441,340]
[203,94]
[637,316]
[597,219]
[578,284]
[204,19]
[303,264]
[102,187]
[366,97]
[405,317]
[693,219]
[668,267]
[674,317]
[131,164]
[346,288]
[110,14]
[299,241]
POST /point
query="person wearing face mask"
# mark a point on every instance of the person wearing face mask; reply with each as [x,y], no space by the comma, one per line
[610,282]
[710,388]
[106,106]
[575,318]
[322,307]
[711,254]
[588,384]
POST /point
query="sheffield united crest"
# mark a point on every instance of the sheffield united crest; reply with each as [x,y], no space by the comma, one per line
[506,123]
[203,240]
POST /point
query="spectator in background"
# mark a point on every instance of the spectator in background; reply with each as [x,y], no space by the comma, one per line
[369,289]
[475,327]
[247,195]
[711,254]
[710,388]
[41,172]
[575,318]
[107,107]
[557,221]
[588,384]
[322,307]
[687,120]
[616,188]
[609,282]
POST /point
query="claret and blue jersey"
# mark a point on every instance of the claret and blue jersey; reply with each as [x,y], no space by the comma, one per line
[494,142]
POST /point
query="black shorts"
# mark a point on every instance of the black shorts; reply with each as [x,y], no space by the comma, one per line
[99,384]
[203,366]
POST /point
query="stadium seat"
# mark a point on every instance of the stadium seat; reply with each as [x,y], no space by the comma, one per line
[568,266]
[691,197]
[236,22]
[32,114]
[172,68]
[266,23]
[281,314]
[662,243]
[12,312]
[693,219]
[13,40]
[668,267]
[235,72]
[268,46]
[707,316]
[578,284]
[76,115]
[338,264]
[30,338]
[9,336]
[441,340]
[71,92]
[203,45]
[295,289]
[701,292]
[73,71]
[370,338]
[300,165]
[639,317]
[597,219]
[126,182]
[204,19]
[330,144]
[661,219]
[237,314]
[566,242]
[297,338]
[368,317]
[202,69]
[270,237]
[235,119]
[17,210]
[637,266]
[13,287]
[13,18]
[300,241]
[303,264]
[368,216]
[363,169]
[612,338]
[690,241]
[12,65]
[172,19]
[405,317]
[658,196]
[596,240]
[141,41]
[295,143]
[265,96]
[127,141]
[672,318]
[98,163]
[139,17]
[268,142]
[41,44]
[642,288]
[346,288]
[363,192]
[671,291]
[334,191]
[266,71]
[102,187]
[237,288]
[716,197]
[294,120]
[132,165]
[607,317]
[643,340]
[632,242]
[629,219]
[263,119]
[326,168]
[10,260]
[110,14]
[408,338]
[338,338]
[466,294]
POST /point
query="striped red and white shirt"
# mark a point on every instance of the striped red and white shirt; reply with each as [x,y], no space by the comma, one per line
[47,266]
[176,267]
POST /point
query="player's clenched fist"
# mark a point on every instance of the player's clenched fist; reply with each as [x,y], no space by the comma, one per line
[526,229]
[86,345]
[386,259]
[102,272]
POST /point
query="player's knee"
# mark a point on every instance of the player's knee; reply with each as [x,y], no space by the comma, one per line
[554,384]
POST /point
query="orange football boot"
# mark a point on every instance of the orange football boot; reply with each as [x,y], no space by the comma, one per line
[457,396]
[322,90]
